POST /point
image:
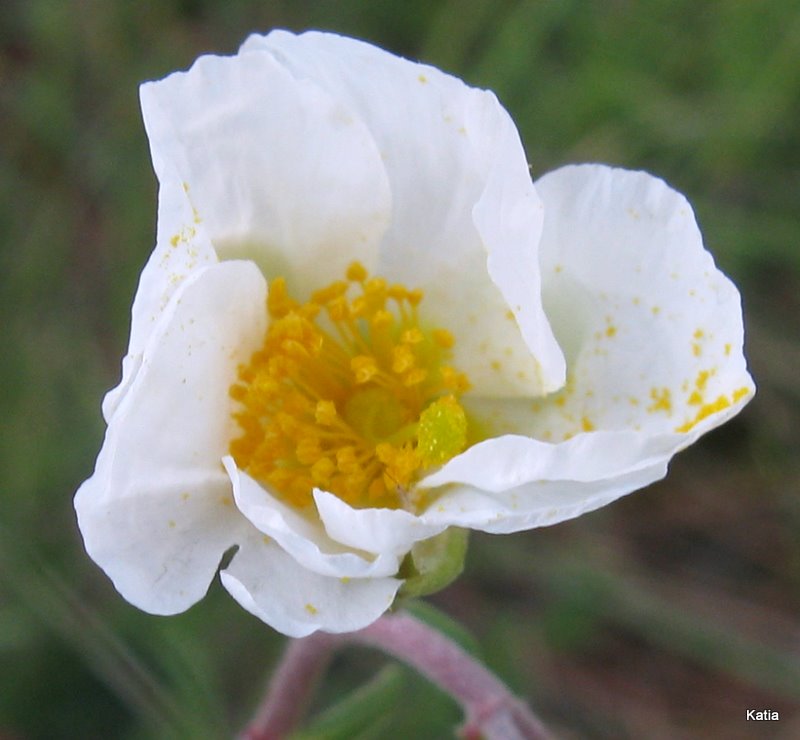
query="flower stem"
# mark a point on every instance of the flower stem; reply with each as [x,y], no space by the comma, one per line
[292,686]
[491,710]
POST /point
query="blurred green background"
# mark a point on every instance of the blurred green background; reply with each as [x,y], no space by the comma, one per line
[666,615]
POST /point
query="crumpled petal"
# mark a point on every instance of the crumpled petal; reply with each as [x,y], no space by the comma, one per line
[278,170]
[157,514]
[373,530]
[461,198]
[514,483]
[301,536]
[273,586]
[652,332]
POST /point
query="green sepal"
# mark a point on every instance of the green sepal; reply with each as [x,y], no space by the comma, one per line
[433,564]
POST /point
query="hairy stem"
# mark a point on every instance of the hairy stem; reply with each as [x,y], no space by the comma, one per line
[490,709]
[291,687]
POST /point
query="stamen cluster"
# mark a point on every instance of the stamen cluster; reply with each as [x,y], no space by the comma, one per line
[348,394]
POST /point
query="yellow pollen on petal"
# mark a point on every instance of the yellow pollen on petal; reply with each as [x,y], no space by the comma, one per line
[721,403]
[349,393]
[662,400]
[740,393]
[706,410]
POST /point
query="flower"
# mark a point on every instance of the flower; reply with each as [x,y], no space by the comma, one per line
[363,326]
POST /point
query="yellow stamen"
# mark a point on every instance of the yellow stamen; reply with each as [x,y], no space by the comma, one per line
[349,394]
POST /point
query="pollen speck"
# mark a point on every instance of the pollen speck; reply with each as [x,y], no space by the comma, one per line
[740,393]
[311,609]
[702,379]
[662,400]
[721,403]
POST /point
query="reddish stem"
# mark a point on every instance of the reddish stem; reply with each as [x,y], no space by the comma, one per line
[291,687]
[491,710]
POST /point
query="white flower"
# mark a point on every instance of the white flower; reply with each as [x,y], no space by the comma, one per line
[595,333]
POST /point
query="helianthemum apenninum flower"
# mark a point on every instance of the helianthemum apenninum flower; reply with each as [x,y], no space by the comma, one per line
[363,325]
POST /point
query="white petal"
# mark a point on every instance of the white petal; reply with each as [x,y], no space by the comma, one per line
[162,543]
[537,504]
[509,218]
[278,170]
[652,332]
[510,461]
[271,585]
[182,247]
[651,328]
[374,530]
[462,198]
[300,536]
[157,514]
[513,483]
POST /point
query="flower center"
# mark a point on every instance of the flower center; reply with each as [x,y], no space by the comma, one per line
[349,394]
